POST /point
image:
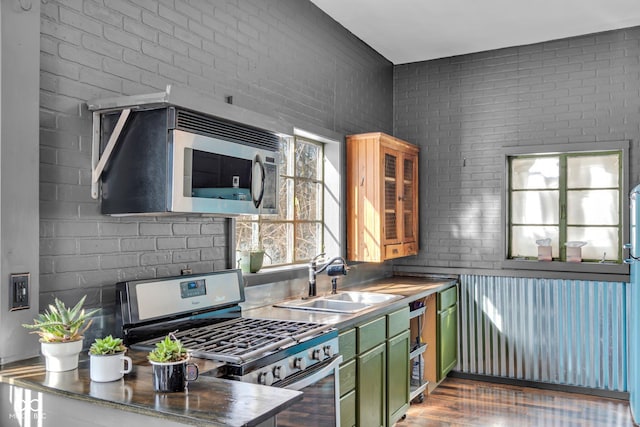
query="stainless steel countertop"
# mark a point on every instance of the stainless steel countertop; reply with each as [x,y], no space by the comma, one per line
[410,287]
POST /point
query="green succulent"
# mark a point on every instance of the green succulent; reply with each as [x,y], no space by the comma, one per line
[107,345]
[61,323]
[168,350]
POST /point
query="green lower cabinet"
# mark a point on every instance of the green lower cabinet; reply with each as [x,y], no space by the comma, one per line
[372,373]
[398,383]
[348,410]
[447,340]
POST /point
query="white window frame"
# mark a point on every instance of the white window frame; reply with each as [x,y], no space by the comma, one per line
[562,266]
[334,210]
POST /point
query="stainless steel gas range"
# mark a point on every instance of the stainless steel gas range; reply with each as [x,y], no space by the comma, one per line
[204,313]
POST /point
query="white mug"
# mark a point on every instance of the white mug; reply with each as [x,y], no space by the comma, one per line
[104,368]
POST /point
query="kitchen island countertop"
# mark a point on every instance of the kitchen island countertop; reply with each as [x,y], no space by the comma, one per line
[208,401]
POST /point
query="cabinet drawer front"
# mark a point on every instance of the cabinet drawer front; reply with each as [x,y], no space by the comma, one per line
[447,298]
[348,410]
[398,322]
[394,251]
[410,249]
[347,344]
[347,377]
[371,334]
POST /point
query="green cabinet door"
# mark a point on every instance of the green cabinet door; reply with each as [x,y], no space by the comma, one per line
[448,341]
[398,378]
[371,387]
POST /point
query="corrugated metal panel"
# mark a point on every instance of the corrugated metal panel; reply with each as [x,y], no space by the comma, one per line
[557,331]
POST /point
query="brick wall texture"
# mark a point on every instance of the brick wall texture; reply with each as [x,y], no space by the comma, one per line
[569,91]
[283,58]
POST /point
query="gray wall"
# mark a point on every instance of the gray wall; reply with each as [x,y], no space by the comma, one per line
[283,58]
[18,170]
[582,89]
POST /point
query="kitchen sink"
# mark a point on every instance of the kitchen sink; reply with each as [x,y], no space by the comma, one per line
[371,298]
[343,302]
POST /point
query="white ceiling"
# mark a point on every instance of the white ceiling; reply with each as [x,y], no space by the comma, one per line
[416,30]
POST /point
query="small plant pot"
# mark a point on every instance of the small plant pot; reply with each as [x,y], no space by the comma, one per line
[251,261]
[109,367]
[61,356]
[173,376]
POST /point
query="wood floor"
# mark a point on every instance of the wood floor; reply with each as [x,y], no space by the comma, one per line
[459,402]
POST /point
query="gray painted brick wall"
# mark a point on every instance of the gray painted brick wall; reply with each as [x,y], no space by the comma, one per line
[582,89]
[283,58]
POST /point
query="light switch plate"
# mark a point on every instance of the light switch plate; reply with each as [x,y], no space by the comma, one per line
[19,285]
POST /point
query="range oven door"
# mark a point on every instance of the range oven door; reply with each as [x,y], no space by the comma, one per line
[320,405]
[211,175]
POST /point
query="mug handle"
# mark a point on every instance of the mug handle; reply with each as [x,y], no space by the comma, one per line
[129,365]
[192,371]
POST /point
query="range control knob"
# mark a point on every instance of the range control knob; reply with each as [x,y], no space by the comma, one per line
[328,350]
[317,354]
[300,363]
[279,372]
[265,378]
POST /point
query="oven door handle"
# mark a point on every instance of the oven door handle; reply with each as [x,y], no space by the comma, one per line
[317,376]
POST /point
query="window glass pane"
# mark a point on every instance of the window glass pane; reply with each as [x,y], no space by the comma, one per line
[601,242]
[523,240]
[308,200]
[275,242]
[535,173]
[285,210]
[308,240]
[245,234]
[308,157]
[593,171]
[535,207]
[593,207]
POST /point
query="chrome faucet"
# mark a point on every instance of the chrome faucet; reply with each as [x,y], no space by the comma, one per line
[315,270]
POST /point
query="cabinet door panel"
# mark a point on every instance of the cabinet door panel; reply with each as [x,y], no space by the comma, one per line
[371,387]
[398,379]
[409,205]
[448,351]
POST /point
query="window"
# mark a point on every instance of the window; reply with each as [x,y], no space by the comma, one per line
[566,197]
[296,234]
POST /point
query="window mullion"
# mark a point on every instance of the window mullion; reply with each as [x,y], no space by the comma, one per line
[562,189]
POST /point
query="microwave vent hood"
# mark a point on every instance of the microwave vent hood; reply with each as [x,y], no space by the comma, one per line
[139,144]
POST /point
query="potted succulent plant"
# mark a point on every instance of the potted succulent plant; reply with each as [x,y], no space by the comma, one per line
[171,370]
[107,359]
[60,329]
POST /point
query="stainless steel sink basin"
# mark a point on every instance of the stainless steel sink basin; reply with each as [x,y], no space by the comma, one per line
[371,298]
[343,302]
[322,304]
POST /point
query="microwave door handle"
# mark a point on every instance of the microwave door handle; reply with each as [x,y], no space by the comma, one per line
[257,201]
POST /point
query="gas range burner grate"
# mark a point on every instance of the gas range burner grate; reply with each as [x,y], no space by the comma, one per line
[241,340]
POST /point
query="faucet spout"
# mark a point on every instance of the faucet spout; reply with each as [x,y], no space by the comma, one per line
[315,270]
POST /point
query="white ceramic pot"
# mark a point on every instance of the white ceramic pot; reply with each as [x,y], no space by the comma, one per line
[61,356]
[109,367]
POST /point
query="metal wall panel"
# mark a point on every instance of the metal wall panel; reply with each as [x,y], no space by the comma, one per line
[568,332]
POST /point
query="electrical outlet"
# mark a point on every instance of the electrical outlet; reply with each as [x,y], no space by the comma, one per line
[19,291]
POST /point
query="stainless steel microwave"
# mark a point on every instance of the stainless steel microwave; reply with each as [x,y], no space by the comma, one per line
[174,160]
[210,175]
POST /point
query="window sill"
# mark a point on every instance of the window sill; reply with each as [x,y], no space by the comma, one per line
[577,269]
[275,274]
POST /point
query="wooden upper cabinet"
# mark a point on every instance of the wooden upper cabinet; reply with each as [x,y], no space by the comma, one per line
[382,197]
